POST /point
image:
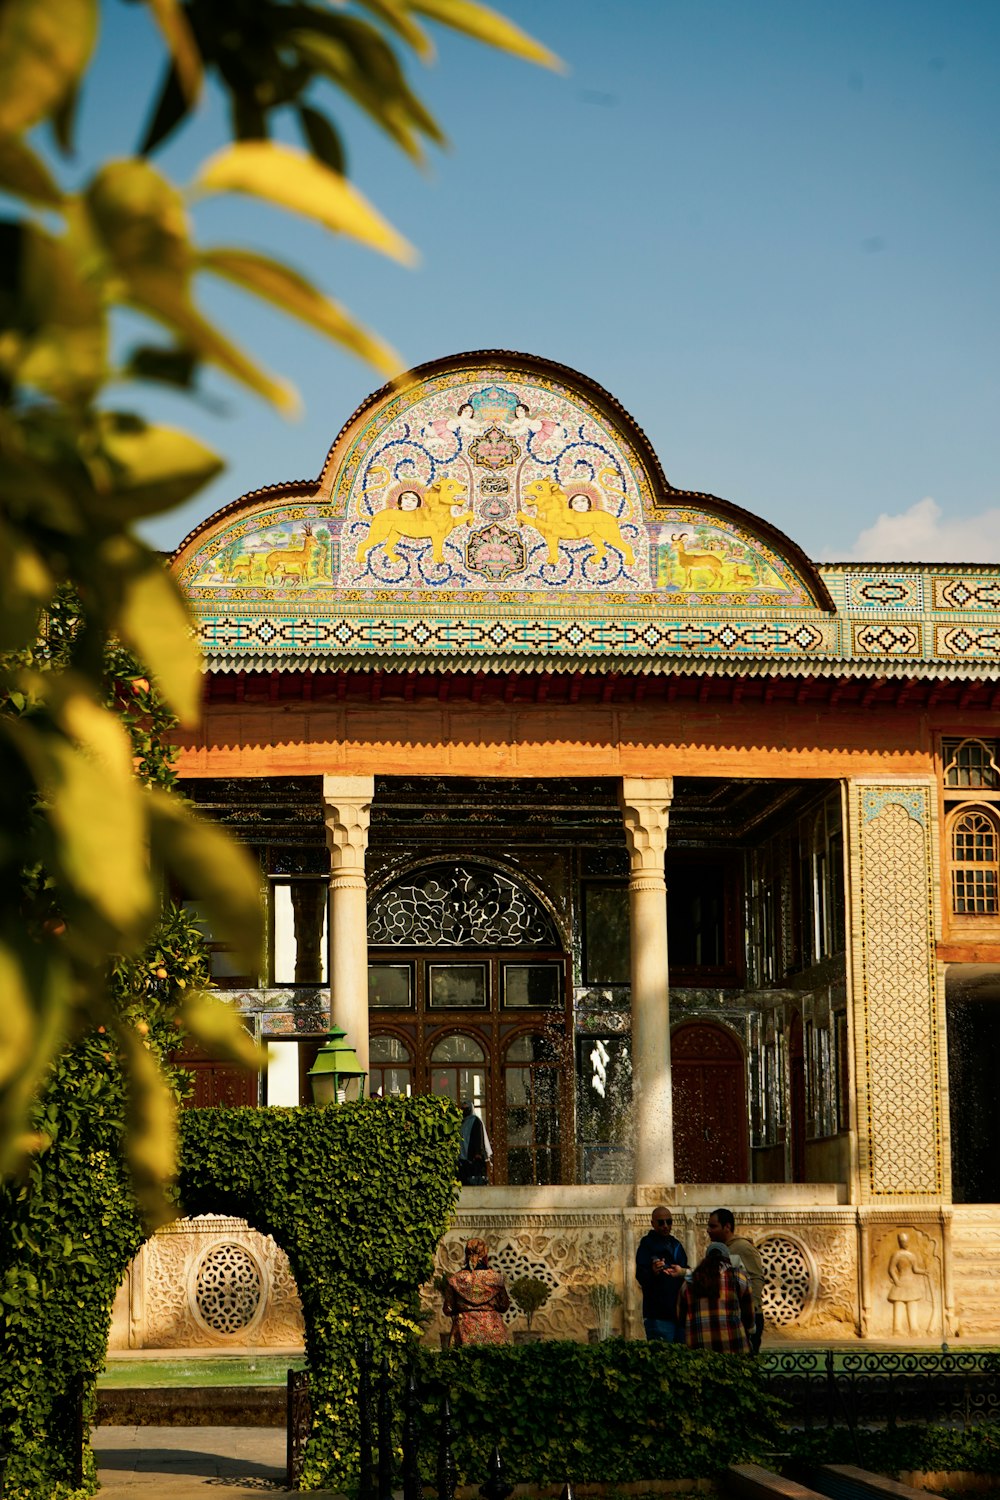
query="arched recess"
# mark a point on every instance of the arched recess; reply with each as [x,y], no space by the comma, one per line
[711,1133]
[465,955]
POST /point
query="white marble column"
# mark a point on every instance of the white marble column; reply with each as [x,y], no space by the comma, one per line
[646,808]
[348,801]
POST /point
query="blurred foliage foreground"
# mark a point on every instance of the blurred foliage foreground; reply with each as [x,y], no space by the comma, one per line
[84,841]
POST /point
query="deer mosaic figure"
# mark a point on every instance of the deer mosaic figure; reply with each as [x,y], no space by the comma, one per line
[293,562]
[692,562]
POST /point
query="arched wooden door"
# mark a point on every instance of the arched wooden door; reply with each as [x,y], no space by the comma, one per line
[710,1104]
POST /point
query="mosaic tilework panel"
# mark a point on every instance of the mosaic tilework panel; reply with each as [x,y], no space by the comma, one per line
[248,635]
[485,481]
[884,591]
[887,638]
[968,641]
[973,592]
[895,986]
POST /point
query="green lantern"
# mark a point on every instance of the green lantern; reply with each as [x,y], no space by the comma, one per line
[335,1069]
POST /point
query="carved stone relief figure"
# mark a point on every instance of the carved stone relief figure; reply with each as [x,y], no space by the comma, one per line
[906,1284]
[910,1292]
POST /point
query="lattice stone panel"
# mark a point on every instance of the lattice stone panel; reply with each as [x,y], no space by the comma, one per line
[228,1289]
[789,1285]
[898,1014]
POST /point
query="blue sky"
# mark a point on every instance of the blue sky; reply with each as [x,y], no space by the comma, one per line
[769,227]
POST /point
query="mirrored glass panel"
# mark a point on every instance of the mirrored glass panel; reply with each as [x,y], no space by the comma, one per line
[532,986]
[456,986]
[390,986]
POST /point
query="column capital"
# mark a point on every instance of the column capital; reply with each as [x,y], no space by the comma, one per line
[645,804]
[347,802]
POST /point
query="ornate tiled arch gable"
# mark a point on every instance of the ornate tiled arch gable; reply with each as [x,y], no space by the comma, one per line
[499,508]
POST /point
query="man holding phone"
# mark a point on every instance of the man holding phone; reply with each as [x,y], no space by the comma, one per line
[660,1263]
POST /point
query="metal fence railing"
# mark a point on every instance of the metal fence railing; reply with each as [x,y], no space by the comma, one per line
[855,1389]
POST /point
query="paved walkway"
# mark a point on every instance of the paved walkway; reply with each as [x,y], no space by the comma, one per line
[185,1463]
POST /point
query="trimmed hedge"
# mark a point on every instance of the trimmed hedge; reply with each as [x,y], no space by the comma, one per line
[357,1197]
[618,1411]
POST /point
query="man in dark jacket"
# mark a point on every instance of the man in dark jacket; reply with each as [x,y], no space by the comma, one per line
[660,1263]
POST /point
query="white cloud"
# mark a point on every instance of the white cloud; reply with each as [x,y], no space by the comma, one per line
[924,534]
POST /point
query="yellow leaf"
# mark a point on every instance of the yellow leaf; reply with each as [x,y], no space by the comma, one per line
[26,586]
[486,25]
[140,220]
[220,1031]
[34,982]
[152,1138]
[17,1018]
[215,871]
[293,180]
[176,30]
[25,175]
[58,344]
[44,48]
[300,299]
[95,807]
[178,313]
[149,469]
[153,621]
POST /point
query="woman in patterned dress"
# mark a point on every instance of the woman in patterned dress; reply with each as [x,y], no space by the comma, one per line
[475,1299]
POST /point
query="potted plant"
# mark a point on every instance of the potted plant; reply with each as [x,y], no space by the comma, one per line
[605,1299]
[529,1294]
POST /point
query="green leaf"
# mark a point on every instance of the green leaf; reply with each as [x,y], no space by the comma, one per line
[170,109]
[294,181]
[323,139]
[176,31]
[23,174]
[296,296]
[215,871]
[486,25]
[44,49]
[174,365]
[152,619]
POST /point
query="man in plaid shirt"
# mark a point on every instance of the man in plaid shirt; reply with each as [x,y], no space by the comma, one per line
[716,1305]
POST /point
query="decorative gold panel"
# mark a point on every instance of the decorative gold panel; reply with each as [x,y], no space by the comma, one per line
[897,1012]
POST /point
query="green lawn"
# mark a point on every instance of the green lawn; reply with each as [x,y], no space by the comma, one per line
[259,1369]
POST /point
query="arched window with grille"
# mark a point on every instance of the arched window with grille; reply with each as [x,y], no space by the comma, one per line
[975,863]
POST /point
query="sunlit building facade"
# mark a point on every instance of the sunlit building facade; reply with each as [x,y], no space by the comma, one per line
[598,802]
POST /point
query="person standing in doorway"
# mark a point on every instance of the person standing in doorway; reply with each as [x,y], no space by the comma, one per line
[475,1151]
[722,1231]
[660,1263]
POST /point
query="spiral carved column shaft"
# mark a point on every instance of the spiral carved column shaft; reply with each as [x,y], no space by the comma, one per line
[645,809]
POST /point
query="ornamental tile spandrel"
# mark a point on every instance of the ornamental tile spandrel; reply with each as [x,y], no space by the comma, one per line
[897,1009]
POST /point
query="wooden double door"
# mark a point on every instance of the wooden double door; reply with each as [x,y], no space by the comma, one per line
[711,1137]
